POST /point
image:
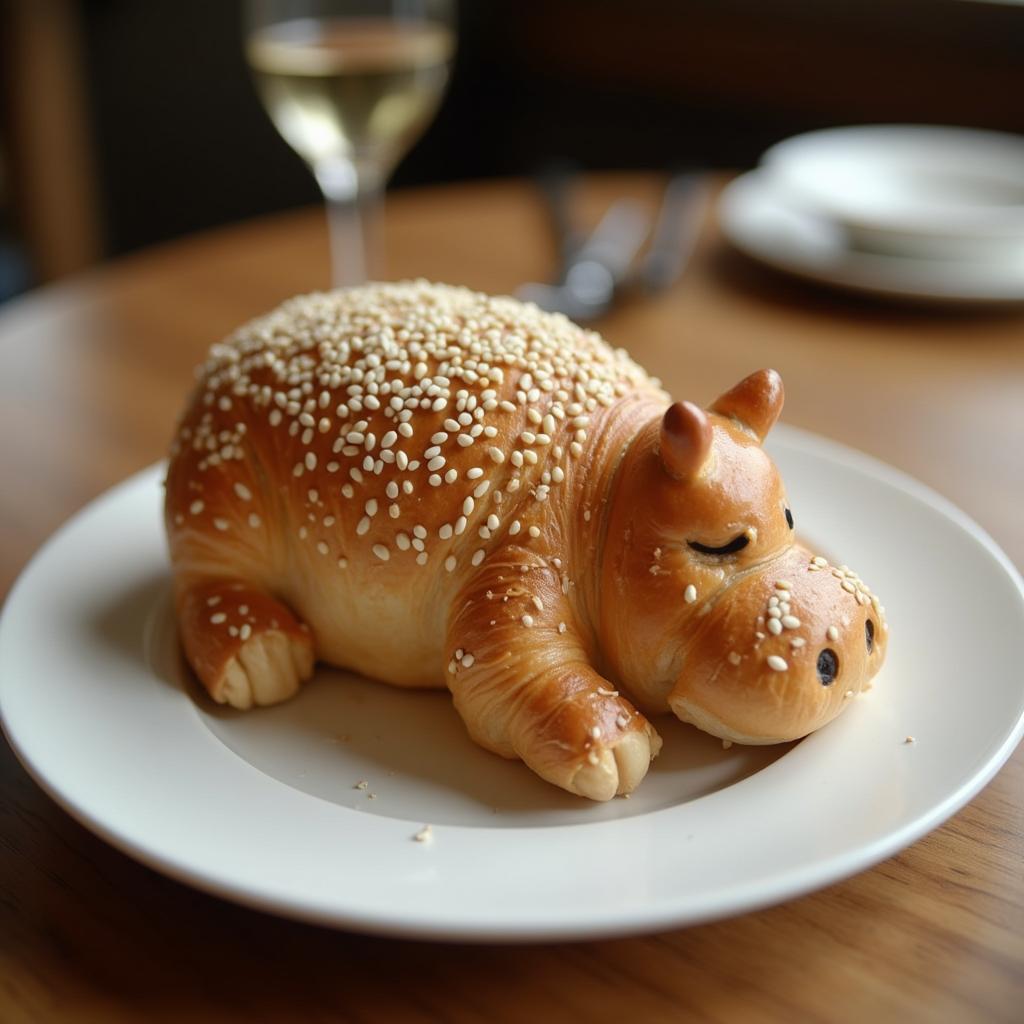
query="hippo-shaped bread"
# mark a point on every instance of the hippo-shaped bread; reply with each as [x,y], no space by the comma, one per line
[437,488]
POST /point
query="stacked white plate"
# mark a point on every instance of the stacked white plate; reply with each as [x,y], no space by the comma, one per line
[908,211]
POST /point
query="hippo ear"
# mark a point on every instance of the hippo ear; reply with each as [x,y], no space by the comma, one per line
[685,440]
[756,402]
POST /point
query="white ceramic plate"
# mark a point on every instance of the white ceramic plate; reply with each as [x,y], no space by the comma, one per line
[259,807]
[762,221]
[919,184]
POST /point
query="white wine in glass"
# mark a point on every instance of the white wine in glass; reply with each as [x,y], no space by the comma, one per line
[350,87]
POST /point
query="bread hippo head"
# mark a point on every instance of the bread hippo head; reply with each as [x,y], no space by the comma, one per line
[718,611]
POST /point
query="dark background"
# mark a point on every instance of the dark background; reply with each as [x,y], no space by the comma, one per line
[176,140]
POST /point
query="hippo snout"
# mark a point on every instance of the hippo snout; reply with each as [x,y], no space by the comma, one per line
[783,651]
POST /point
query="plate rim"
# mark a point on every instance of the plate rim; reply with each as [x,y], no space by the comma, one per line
[749,896]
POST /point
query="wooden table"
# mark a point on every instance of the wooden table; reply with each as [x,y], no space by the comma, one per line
[92,373]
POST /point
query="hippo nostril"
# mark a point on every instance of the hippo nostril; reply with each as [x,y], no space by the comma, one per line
[828,666]
[869,635]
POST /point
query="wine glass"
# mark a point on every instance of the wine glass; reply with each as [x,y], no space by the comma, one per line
[350,85]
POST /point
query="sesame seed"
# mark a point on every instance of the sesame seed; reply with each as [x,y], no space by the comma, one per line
[436,463]
[196,507]
[478,556]
[783,585]
[467,506]
[381,552]
[777,663]
[445,532]
[774,627]
[243,492]
[790,622]
[322,547]
[421,558]
[690,593]
[310,461]
[734,658]
[342,563]
[363,526]
[221,524]
[245,631]
[832,633]
[819,561]
[527,620]
[468,661]
[515,527]
[450,563]
[371,507]
[496,454]
[534,531]
[475,473]
[218,617]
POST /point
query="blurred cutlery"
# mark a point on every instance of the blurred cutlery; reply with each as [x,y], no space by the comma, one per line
[591,269]
[675,231]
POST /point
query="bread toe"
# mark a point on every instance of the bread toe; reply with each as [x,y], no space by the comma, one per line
[268,668]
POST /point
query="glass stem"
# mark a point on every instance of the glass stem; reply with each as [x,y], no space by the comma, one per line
[352,192]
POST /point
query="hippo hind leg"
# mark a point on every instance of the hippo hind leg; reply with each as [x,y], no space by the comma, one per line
[246,647]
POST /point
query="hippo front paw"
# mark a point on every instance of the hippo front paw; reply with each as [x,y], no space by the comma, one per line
[617,769]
